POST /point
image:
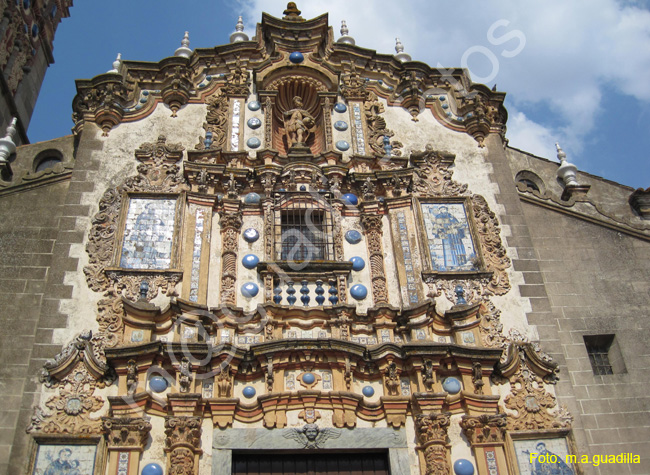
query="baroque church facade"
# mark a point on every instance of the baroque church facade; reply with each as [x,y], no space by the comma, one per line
[291,254]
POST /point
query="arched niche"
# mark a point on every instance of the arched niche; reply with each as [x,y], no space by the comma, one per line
[317,100]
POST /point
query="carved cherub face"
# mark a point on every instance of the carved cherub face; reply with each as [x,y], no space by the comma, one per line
[311,431]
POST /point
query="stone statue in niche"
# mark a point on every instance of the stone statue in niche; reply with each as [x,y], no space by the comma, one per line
[298,124]
[477,377]
[392,380]
[131,378]
[185,376]
[224,383]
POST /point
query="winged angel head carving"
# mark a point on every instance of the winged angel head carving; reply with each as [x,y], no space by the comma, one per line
[311,436]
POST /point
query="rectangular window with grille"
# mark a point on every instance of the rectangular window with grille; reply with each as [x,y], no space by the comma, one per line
[604,354]
[303,227]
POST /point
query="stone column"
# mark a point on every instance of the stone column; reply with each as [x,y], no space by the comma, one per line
[486,433]
[126,438]
[183,444]
[231,222]
[372,226]
[431,431]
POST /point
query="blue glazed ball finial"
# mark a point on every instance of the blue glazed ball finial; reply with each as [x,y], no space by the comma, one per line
[152,469]
[451,385]
[296,57]
[463,467]
[359,292]
[249,290]
[249,392]
[368,391]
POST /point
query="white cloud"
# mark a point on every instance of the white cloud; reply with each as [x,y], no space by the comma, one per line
[573,50]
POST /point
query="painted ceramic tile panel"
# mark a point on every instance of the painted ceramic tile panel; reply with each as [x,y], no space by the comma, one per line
[556,465]
[148,234]
[448,237]
[65,459]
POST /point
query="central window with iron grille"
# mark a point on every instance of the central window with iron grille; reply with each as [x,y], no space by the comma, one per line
[303,227]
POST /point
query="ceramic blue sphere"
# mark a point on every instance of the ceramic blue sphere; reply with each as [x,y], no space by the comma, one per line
[250,261]
[451,385]
[308,378]
[249,392]
[463,467]
[359,292]
[253,142]
[342,145]
[157,384]
[252,199]
[353,236]
[249,290]
[340,107]
[251,235]
[341,125]
[296,57]
[368,391]
[254,106]
[350,199]
[357,263]
[152,469]
[254,123]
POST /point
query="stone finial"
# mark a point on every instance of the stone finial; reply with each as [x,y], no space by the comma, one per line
[567,171]
[399,49]
[460,295]
[116,64]
[7,145]
[292,13]
[345,37]
[184,51]
[238,34]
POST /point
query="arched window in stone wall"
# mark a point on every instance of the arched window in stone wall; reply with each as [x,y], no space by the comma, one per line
[47,159]
[530,181]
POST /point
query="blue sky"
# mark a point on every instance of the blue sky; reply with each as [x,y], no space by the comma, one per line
[575,72]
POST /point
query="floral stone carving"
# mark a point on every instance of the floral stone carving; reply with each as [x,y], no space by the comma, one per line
[71,406]
[533,408]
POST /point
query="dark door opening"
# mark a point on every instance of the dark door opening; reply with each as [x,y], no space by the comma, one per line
[323,463]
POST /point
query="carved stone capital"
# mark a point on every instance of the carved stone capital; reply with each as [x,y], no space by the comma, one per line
[183,432]
[484,429]
[432,428]
[126,433]
[231,220]
[371,223]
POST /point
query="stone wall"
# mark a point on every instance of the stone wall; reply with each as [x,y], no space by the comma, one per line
[597,281]
[28,243]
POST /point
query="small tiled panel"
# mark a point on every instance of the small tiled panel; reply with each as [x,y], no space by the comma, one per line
[408,259]
[123,463]
[358,129]
[327,379]
[234,134]
[448,237]
[491,461]
[148,234]
[196,254]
